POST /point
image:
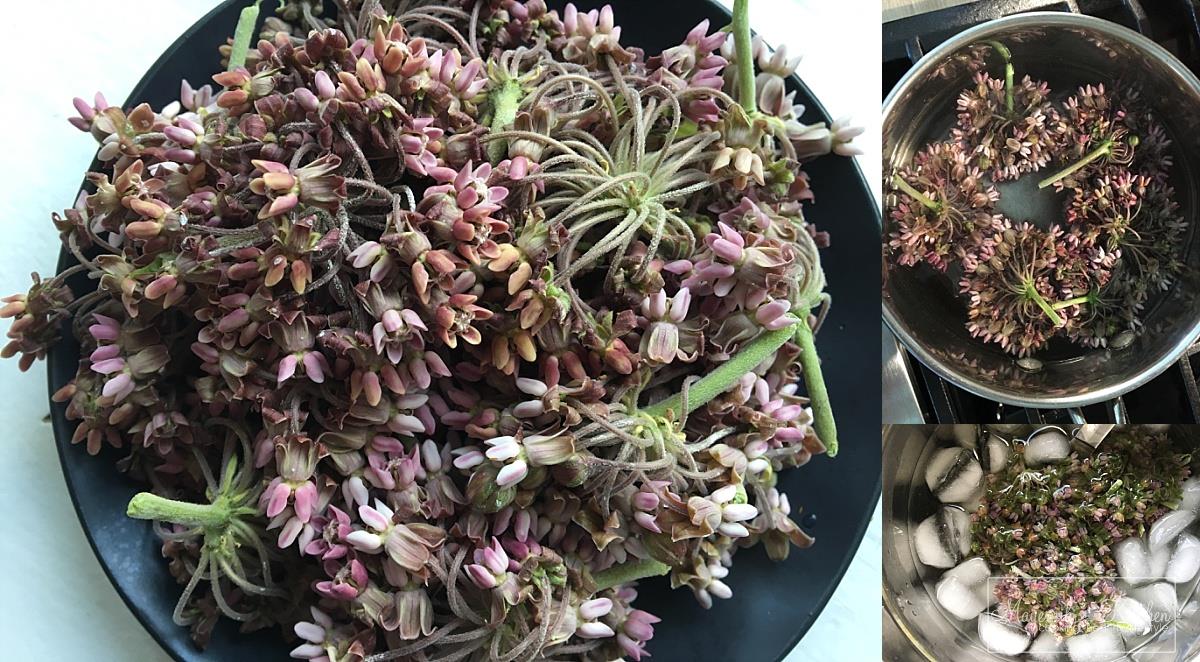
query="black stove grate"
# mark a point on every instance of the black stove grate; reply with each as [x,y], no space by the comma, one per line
[1172,397]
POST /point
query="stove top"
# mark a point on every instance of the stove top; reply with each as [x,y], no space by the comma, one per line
[912,392]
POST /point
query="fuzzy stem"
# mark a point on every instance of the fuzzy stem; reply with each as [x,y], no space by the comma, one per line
[724,377]
[744,48]
[145,505]
[915,194]
[629,572]
[505,101]
[1104,149]
[1072,302]
[1032,293]
[242,36]
[818,395]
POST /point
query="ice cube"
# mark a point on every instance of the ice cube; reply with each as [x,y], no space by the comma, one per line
[953,474]
[1047,447]
[1000,636]
[1159,599]
[1129,612]
[993,453]
[1184,561]
[1191,495]
[1159,558]
[971,572]
[962,600]
[943,538]
[1169,526]
[974,573]
[1046,648]
[973,502]
[1007,429]
[963,434]
[1133,561]
[1101,645]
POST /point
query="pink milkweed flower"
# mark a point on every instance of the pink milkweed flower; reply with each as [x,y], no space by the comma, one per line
[637,629]
[660,342]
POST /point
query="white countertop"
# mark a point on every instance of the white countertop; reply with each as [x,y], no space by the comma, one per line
[56,603]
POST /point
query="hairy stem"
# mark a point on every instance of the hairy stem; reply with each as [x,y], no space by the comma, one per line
[1103,150]
[505,101]
[145,505]
[724,377]
[818,395]
[745,56]
[630,571]
[913,193]
[242,36]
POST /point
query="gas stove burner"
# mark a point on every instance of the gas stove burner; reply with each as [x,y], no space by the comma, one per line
[915,391]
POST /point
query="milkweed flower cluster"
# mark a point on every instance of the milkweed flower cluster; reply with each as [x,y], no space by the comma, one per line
[1087,277]
[413,323]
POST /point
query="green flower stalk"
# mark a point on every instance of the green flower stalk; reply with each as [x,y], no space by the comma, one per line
[744,47]
[1105,150]
[232,550]
[242,35]
[1009,74]
[630,571]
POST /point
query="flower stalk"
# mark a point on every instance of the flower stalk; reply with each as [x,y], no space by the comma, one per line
[723,378]
[744,47]
[242,35]
[1033,295]
[149,506]
[915,194]
[629,571]
[1009,74]
[818,394]
[505,99]
[1105,149]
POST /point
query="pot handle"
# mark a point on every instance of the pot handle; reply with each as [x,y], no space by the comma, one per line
[1115,409]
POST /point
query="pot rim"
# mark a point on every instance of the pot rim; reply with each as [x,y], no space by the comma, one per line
[945,369]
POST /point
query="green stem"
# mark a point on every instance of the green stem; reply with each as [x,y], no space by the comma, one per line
[242,36]
[1008,74]
[505,101]
[818,395]
[1008,88]
[145,505]
[725,376]
[744,48]
[1104,149]
[1072,302]
[630,571]
[915,194]
[1032,293]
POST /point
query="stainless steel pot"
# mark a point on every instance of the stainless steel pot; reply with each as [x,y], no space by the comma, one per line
[916,629]
[923,308]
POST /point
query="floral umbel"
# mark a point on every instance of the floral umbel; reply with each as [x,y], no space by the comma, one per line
[1087,276]
[433,329]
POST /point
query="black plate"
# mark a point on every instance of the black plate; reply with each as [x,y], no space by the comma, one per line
[773,605]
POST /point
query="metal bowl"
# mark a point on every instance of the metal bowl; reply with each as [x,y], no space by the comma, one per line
[922,306]
[916,628]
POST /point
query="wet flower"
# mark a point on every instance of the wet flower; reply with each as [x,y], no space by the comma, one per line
[944,208]
[1002,141]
